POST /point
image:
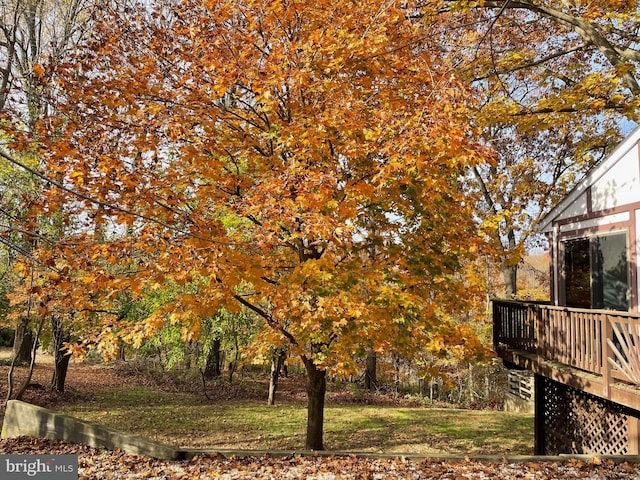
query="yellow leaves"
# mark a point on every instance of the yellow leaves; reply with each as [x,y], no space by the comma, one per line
[315,271]
[177,317]
[190,333]
[614,10]
[76,350]
[108,344]
[78,177]
[154,322]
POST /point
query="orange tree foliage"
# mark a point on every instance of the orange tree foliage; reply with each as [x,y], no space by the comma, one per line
[300,159]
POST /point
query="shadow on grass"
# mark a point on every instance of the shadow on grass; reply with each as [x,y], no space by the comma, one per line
[430,430]
[188,420]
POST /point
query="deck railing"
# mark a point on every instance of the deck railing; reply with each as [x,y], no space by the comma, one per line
[603,342]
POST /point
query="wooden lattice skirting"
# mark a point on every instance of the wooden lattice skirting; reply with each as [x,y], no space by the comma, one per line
[574,422]
[520,384]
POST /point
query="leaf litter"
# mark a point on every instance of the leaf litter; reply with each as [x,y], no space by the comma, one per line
[97,464]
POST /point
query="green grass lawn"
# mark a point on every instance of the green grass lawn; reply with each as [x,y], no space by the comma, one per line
[188,420]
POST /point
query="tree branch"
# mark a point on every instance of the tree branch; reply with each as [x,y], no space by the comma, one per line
[268,318]
[588,32]
[532,64]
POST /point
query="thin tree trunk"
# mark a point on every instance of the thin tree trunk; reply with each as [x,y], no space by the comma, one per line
[370,380]
[316,390]
[22,343]
[212,366]
[510,268]
[277,360]
[60,371]
[231,371]
[396,375]
[234,364]
[60,354]
[27,382]
[236,358]
[510,275]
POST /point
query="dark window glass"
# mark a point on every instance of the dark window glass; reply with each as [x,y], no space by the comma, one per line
[577,271]
[596,272]
[610,272]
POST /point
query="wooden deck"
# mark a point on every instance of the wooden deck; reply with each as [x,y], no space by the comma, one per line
[595,351]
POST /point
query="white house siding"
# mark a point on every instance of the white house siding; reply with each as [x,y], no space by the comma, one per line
[613,183]
[596,223]
[619,185]
[605,202]
[578,208]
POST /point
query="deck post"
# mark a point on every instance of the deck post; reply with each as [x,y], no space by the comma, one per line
[539,402]
[540,327]
[633,433]
[607,353]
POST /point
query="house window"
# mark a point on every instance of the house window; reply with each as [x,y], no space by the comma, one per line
[577,273]
[596,272]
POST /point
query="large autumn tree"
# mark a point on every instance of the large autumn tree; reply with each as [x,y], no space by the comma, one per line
[300,159]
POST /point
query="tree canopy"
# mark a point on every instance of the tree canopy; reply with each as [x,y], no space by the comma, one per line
[301,160]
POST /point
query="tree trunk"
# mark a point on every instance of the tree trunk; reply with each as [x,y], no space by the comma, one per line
[23,343]
[60,371]
[510,275]
[510,267]
[60,354]
[277,360]
[316,389]
[212,367]
[370,380]
[233,365]
[32,364]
